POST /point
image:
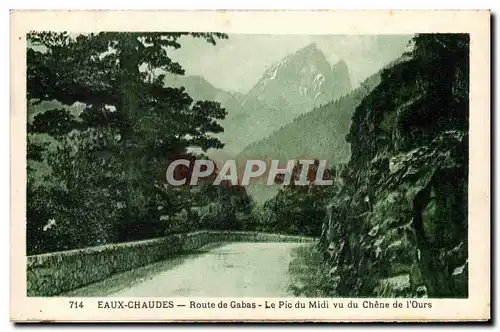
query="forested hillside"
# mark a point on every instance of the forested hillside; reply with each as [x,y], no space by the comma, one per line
[317,134]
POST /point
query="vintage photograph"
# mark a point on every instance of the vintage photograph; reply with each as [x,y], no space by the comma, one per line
[164,165]
[108,112]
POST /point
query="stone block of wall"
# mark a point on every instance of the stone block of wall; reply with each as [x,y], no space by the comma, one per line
[54,273]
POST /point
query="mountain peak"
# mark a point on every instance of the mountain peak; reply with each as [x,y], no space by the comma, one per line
[308,49]
[301,81]
[311,46]
[340,67]
[340,64]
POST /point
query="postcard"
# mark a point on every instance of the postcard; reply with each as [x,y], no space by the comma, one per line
[250,166]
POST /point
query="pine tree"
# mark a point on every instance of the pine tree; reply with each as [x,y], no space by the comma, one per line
[131,122]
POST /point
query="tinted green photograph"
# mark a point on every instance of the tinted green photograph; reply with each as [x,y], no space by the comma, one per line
[203,164]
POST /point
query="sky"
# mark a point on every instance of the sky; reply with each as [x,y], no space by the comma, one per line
[237,63]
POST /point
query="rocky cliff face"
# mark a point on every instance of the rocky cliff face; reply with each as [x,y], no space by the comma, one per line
[397,227]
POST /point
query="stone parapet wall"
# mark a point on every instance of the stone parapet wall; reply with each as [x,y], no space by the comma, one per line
[54,273]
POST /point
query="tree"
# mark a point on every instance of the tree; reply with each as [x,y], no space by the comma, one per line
[297,209]
[117,76]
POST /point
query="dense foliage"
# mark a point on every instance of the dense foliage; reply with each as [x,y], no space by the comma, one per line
[101,127]
[298,209]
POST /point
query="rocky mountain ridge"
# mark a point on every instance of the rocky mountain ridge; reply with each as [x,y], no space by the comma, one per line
[291,87]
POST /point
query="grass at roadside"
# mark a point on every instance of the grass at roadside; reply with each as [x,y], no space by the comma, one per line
[308,273]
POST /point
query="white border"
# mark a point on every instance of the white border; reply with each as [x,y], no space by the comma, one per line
[143,5]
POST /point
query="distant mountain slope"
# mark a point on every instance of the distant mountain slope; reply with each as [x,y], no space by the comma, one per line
[200,89]
[316,134]
[319,134]
[291,87]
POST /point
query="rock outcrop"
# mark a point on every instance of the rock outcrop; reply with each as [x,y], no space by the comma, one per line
[398,225]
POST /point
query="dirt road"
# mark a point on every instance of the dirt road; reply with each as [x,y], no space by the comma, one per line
[232,270]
